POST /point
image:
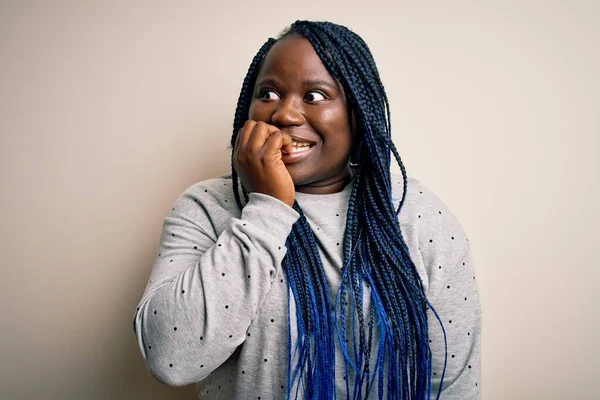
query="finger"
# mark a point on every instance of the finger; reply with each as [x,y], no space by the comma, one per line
[243,136]
[236,145]
[286,142]
[277,142]
[259,136]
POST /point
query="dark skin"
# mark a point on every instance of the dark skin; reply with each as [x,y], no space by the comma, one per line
[295,101]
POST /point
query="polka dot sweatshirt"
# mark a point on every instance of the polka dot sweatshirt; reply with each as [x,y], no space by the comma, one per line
[215,309]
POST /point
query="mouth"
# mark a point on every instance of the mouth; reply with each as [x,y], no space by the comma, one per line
[299,151]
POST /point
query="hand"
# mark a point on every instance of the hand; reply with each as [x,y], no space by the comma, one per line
[257,160]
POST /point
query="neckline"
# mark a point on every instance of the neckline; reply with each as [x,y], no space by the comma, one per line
[328,196]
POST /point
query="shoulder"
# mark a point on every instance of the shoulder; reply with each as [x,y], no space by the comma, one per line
[212,189]
[433,233]
[211,199]
[424,207]
[218,190]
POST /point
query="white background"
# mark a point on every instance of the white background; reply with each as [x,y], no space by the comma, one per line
[110,109]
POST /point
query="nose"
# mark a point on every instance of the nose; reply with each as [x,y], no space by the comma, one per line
[287,113]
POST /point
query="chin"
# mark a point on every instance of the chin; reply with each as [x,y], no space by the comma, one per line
[298,174]
[300,182]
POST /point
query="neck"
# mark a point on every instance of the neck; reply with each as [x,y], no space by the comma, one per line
[328,186]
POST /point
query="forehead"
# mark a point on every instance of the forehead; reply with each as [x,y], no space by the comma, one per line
[293,57]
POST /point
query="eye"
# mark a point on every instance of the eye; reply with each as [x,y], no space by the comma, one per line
[314,96]
[268,95]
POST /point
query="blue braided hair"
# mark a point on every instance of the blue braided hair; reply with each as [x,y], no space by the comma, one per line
[375,253]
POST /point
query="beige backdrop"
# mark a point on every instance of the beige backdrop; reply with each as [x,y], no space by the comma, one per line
[110,109]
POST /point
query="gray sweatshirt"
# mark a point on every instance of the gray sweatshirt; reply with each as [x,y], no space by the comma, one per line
[215,309]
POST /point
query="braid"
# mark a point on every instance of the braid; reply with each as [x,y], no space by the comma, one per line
[241,111]
[375,254]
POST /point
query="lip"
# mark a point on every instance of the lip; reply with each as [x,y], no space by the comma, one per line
[300,139]
[296,157]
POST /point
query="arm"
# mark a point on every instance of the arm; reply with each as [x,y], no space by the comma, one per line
[443,256]
[458,305]
[205,290]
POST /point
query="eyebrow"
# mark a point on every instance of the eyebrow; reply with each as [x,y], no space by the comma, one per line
[318,82]
[273,82]
[267,81]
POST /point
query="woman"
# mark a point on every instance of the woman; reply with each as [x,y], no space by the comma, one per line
[322,275]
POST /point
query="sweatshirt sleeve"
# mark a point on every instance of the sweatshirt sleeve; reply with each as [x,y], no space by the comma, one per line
[444,258]
[458,305]
[205,290]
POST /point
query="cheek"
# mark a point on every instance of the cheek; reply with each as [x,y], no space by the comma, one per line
[259,111]
[336,118]
[334,124]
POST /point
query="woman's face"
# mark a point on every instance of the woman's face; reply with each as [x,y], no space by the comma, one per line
[295,92]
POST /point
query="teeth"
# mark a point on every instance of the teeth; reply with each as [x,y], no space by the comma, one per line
[296,144]
[298,148]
